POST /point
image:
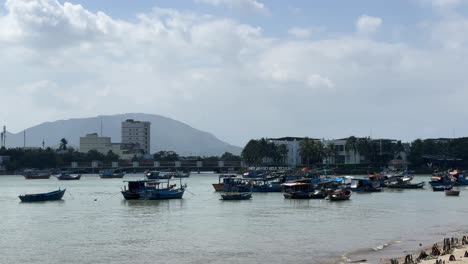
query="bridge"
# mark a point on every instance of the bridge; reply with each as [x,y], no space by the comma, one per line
[140,166]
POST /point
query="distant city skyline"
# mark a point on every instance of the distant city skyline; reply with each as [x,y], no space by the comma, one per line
[241,69]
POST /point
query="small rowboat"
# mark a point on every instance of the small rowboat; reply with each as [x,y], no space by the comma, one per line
[452,192]
[438,188]
[68,177]
[231,196]
[41,197]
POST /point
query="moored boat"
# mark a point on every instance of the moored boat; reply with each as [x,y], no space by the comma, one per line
[111,174]
[65,176]
[365,185]
[152,190]
[36,174]
[41,197]
[179,175]
[452,192]
[340,195]
[438,188]
[231,196]
[222,179]
[298,190]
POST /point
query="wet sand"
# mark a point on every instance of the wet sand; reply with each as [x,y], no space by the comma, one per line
[458,251]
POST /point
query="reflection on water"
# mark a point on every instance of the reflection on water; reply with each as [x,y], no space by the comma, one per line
[95,225]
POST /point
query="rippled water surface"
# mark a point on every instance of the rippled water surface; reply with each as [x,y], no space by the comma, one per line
[93,224]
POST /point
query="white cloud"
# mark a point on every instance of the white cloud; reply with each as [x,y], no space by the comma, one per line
[368,24]
[251,5]
[299,32]
[62,60]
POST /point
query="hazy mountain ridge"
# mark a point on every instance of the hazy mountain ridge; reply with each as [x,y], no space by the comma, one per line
[166,134]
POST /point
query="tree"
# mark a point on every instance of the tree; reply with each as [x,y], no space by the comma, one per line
[311,150]
[63,144]
[351,146]
[283,153]
[166,156]
[228,156]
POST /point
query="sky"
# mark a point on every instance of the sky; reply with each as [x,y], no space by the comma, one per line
[241,69]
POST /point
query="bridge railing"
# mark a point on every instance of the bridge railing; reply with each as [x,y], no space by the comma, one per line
[157,164]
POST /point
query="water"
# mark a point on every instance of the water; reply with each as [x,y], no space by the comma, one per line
[95,225]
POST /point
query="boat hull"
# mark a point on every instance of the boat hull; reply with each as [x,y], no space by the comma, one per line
[236,196]
[218,186]
[154,195]
[36,177]
[42,197]
[114,176]
[69,178]
[452,193]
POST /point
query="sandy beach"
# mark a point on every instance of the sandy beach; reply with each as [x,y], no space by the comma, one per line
[458,250]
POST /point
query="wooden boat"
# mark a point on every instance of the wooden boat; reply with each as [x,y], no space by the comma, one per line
[41,197]
[340,195]
[221,179]
[65,176]
[36,175]
[152,190]
[179,175]
[452,192]
[405,185]
[365,185]
[298,190]
[111,174]
[231,196]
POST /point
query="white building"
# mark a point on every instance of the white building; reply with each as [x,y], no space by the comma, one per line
[137,134]
[100,144]
[293,145]
[341,155]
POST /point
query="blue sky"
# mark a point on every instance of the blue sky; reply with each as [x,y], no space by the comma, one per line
[241,69]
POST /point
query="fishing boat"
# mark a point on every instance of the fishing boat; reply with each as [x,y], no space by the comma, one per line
[298,190]
[438,188]
[222,178]
[152,190]
[156,175]
[365,185]
[41,197]
[264,185]
[340,195]
[36,174]
[405,185]
[111,174]
[319,194]
[65,176]
[449,191]
[231,196]
[458,178]
[179,175]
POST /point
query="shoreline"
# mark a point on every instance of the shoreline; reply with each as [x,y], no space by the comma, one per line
[455,247]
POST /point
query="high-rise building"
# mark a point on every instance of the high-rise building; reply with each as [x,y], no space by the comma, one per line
[136,134]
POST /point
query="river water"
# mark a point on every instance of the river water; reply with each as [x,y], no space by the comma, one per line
[93,224]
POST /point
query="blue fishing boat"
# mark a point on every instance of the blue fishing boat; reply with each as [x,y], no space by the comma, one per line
[365,185]
[41,197]
[438,188]
[31,174]
[458,178]
[264,185]
[111,174]
[152,190]
[233,196]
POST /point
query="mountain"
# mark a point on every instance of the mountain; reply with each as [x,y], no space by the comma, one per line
[166,134]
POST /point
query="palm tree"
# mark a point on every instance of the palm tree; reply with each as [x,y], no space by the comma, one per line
[63,144]
[306,149]
[351,145]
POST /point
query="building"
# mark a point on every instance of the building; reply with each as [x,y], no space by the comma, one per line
[137,134]
[100,144]
[293,145]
